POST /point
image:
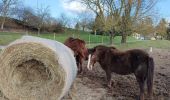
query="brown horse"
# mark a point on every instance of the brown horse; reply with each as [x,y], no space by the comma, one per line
[79,49]
[133,61]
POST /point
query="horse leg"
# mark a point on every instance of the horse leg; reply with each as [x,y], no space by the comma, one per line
[141,82]
[80,66]
[150,77]
[79,60]
[108,75]
[78,63]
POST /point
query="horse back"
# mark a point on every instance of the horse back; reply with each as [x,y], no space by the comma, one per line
[138,56]
[125,62]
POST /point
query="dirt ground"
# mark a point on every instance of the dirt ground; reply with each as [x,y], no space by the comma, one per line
[91,85]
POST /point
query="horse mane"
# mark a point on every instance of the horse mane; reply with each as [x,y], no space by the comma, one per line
[111,49]
[75,44]
[71,39]
[103,47]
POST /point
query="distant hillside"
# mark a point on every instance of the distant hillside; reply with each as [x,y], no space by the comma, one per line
[16,25]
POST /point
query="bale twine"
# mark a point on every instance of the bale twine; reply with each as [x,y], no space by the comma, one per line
[33,68]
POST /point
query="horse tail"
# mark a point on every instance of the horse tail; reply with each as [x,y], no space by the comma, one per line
[150,75]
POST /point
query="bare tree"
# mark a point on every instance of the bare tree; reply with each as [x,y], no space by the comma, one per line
[133,10]
[84,18]
[107,14]
[26,14]
[168,32]
[119,14]
[91,25]
[50,21]
[77,26]
[64,20]
[18,11]
[7,6]
[1,6]
[145,26]
[161,28]
[42,13]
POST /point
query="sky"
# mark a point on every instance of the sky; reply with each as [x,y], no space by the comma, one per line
[57,7]
[163,7]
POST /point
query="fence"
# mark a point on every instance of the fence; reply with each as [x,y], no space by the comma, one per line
[90,39]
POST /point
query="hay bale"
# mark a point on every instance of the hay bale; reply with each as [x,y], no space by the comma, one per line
[33,68]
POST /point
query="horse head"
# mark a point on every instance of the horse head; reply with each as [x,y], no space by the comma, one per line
[82,50]
[96,54]
[78,46]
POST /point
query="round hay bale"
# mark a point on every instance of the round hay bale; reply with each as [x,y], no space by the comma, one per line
[33,68]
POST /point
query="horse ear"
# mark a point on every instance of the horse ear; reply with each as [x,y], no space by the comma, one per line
[112,47]
[91,50]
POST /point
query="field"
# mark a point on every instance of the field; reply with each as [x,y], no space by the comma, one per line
[91,84]
[6,38]
[91,40]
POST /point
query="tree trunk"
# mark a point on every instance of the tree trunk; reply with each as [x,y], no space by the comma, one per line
[95,32]
[168,35]
[111,38]
[39,31]
[123,40]
[168,38]
[3,22]
[112,35]
[83,28]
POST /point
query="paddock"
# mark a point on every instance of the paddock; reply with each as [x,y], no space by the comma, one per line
[91,85]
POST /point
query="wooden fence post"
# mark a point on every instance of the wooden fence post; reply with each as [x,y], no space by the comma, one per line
[89,39]
[54,35]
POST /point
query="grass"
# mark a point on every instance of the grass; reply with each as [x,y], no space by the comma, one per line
[6,38]
[162,44]
[145,44]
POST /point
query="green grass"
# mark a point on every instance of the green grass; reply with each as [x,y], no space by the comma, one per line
[162,44]
[6,38]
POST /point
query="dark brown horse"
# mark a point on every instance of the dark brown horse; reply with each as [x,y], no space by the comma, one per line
[79,49]
[133,61]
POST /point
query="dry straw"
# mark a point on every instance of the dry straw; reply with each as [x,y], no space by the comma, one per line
[32,68]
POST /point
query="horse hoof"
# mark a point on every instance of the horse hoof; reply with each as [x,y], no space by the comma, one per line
[110,92]
[137,98]
[150,98]
[79,71]
[109,86]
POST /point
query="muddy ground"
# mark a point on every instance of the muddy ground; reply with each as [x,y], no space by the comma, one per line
[91,85]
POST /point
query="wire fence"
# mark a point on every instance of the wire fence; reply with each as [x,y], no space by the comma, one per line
[90,39]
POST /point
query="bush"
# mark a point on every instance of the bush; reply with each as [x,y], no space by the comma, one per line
[101,32]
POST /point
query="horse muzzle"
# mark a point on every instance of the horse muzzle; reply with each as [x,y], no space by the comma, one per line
[91,62]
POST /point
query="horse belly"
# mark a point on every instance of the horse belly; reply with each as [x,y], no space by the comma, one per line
[122,70]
